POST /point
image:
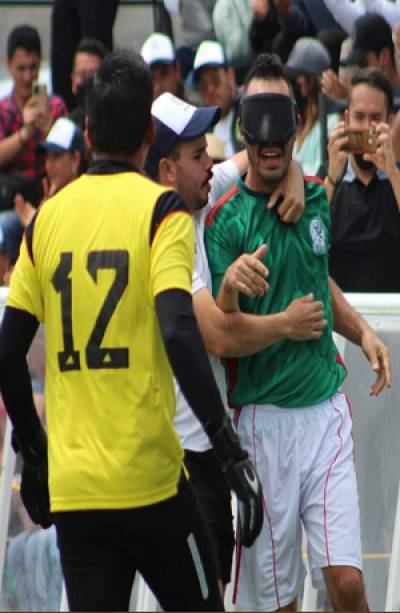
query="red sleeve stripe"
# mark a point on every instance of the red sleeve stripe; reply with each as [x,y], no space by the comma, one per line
[312,179]
[339,360]
[220,203]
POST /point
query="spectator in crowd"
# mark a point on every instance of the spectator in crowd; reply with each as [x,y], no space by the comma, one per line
[294,422]
[127,516]
[25,116]
[217,86]
[64,150]
[347,11]
[373,46]
[159,53]
[306,63]
[71,21]
[87,59]
[88,56]
[335,81]
[264,26]
[178,159]
[10,238]
[365,193]
[197,25]
[297,18]
[232,21]
[33,561]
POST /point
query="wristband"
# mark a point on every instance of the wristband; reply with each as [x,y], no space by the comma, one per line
[332,182]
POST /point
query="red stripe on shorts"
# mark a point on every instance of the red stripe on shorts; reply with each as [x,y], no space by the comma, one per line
[339,434]
[269,520]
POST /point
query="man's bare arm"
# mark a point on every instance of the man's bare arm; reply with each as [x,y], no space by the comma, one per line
[238,334]
[350,324]
[36,114]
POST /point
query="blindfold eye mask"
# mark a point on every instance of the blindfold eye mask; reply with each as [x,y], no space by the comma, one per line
[268,118]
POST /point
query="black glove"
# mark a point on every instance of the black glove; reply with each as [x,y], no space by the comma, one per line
[243,480]
[34,479]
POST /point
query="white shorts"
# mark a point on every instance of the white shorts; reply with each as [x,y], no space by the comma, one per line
[304,458]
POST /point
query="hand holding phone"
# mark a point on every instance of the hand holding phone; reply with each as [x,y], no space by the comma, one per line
[39,89]
[361,140]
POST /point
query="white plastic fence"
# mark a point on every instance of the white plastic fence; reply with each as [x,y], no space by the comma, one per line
[383,313]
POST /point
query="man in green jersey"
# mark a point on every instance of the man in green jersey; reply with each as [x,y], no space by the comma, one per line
[293,419]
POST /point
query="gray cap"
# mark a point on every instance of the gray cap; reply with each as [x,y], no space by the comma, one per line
[308,56]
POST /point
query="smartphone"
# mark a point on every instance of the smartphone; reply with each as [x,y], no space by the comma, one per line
[361,140]
[39,89]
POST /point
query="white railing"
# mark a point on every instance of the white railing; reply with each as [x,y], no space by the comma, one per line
[383,313]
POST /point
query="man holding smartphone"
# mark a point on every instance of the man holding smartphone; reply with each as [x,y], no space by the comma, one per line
[364,189]
[25,115]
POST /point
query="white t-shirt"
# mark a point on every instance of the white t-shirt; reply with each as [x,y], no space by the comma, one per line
[223,130]
[186,424]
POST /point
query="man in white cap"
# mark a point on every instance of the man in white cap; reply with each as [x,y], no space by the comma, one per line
[64,153]
[158,52]
[216,82]
[64,150]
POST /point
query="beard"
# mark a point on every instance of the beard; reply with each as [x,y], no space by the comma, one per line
[363,164]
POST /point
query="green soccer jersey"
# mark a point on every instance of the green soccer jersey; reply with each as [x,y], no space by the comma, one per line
[289,373]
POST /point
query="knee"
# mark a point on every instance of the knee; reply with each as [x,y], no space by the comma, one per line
[348,592]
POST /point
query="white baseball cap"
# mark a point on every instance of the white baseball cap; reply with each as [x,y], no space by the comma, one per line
[64,136]
[158,49]
[210,53]
[177,120]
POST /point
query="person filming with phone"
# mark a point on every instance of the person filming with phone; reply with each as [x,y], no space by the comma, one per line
[27,114]
[363,185]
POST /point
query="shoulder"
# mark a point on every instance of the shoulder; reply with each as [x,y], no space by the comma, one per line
[315,195]
[224,206]
[168,203]
[6,106]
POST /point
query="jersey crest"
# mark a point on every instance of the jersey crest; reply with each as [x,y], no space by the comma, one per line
[318,235]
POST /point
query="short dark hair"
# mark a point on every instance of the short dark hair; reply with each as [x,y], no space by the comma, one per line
[152,163]
[266,66]
[92,46]
[23,37]
[119,103]
[373,78]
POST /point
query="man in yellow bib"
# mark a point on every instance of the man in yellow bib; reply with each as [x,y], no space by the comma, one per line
[106,266]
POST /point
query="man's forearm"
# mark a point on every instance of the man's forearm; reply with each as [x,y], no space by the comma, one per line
[16,334]
[188,359]
[236,334]
[247,334]
[347,321]
[11,147]
[329,188]
[227,299]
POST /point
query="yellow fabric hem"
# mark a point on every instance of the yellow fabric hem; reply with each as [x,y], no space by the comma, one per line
[86,504]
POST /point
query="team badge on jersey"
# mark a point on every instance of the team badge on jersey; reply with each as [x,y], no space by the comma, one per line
[318,236]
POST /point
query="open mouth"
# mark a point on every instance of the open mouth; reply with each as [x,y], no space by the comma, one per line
[270,156]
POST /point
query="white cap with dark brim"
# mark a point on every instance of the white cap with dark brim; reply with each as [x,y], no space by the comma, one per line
[158,49]
[64,136]
[177,120]
[210,54]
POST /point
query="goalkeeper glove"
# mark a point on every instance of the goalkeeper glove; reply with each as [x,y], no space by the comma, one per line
[242,479]
[34,479]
